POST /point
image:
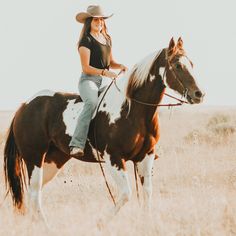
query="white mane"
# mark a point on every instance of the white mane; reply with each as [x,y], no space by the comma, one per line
[141,70]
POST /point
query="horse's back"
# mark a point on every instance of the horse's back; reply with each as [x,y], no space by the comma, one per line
[42,114]
[46,100]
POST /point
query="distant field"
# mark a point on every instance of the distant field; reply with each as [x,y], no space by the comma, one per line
[194,184]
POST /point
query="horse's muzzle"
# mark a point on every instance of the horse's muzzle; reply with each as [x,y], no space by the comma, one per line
[196,97]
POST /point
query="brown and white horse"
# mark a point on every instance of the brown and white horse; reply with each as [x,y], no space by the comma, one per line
[127,128]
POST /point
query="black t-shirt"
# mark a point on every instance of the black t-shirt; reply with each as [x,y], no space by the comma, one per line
[99,53]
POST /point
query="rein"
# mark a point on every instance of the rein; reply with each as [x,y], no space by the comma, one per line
[95,140]
[180,103]
[96,146]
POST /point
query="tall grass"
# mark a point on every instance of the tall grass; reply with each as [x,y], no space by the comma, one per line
[194,186]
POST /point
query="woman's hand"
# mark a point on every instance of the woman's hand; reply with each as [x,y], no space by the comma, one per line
[123,68]
[110,74]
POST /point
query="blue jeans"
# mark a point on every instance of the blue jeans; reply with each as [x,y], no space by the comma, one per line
[88,89]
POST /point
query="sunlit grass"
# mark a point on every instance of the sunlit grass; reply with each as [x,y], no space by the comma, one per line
[194,186]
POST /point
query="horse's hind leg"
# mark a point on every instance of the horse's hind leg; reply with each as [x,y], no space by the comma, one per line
[53,162]
[145,173]
[40,173]
[35,173]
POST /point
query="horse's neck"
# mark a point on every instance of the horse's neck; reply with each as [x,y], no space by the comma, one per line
[152,91]
[145,98]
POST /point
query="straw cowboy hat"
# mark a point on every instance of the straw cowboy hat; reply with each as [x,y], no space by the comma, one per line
[92,11]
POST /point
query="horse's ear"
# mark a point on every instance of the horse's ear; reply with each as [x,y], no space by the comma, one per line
[171,46]
[171,43]
[180,43]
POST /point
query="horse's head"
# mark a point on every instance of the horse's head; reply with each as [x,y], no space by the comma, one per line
[178,73]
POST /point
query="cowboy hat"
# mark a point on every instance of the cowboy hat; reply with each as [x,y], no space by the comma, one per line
[92,11]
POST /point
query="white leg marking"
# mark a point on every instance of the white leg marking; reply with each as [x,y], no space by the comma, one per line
[122,180]
[35,193]
[70,115]
[145,172]
[50,170]
[124,189]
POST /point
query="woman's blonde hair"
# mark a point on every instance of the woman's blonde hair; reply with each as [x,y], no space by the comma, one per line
[87,28]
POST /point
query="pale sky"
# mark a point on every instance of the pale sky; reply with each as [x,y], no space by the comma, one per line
[38,42]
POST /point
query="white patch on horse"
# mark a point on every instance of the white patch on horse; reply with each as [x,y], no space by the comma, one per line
[145,166]
[70,115]
[123,183]
[161,71]
[50,170]
[113,100]
[145,171]
[183,60]
[152,77]
[45,92]
[34,191]
[162,74]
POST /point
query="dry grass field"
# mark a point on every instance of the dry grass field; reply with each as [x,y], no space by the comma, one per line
[194,185]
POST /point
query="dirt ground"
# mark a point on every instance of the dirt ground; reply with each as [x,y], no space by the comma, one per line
[194,184]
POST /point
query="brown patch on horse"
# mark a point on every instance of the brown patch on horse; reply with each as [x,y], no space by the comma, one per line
[56,156]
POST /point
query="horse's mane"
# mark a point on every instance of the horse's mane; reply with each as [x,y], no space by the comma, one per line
[139,73]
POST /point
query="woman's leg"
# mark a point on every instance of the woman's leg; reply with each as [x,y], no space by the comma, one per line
[89,93]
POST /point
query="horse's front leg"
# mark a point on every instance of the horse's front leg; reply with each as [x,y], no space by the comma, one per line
[144,169]
[119,173]
[120,176]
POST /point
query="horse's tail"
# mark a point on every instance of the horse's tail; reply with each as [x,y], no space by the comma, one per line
[13,170]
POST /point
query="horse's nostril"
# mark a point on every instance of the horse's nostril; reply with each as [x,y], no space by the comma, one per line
[198,94]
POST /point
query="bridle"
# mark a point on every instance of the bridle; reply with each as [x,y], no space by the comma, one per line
[169,66]
[172,70]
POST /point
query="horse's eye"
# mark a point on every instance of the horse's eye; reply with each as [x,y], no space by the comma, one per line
[178,66]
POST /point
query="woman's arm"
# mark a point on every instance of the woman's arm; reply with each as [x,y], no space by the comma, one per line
[85,58]
[115,65]
[87,69]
